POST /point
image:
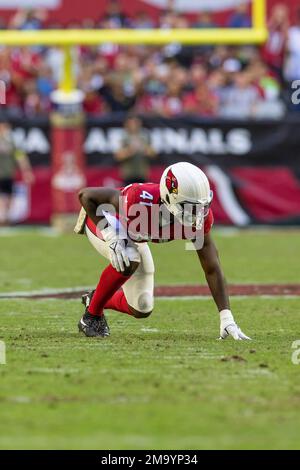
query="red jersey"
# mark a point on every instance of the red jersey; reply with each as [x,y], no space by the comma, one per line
[146,218]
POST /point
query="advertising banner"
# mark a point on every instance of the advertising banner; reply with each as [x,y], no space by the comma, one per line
[254,167]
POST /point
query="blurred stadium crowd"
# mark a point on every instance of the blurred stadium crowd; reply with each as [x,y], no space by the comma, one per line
[244,82]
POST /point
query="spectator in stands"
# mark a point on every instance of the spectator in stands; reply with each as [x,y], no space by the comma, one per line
[172,101]
[168,19]
[143,21]
[32,101]
[93,104]
[218,56]
[265,80]
[204,20]
[89,80]
[217,83]
[270,105]
[12,84]
[160,80]
[28,19]
[2,24]
[240,18]
[168,104]
[45,85]
[275,48]
[135,152]
[241,98]
[198,74]
[114,15]
[292,67]
[114,94]
[10,159]
[203,102]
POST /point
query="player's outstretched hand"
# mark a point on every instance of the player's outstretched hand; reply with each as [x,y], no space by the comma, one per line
[228,327]
[234,331]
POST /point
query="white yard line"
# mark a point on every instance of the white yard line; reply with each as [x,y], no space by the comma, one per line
[24,230]
[46,291]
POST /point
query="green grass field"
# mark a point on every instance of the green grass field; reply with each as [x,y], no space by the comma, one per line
[160,383]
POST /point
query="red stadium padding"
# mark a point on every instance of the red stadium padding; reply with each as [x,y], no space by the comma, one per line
[267,195]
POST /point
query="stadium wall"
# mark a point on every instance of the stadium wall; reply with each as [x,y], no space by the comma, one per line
[69,11]
[253,166]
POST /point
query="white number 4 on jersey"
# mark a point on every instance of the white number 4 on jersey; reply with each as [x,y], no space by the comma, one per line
[147,196]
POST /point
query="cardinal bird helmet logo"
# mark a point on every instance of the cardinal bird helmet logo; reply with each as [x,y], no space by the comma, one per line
[171,183]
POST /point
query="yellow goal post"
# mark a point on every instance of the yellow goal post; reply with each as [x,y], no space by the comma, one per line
[257,34]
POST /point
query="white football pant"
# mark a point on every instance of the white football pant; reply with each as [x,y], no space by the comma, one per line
[139,289]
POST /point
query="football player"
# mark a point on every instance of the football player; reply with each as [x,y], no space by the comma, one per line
[119,223]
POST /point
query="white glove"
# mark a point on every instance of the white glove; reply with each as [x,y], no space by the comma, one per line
[228,327]
[117,249]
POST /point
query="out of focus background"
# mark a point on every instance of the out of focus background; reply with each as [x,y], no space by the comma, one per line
[101,112]
[228,109]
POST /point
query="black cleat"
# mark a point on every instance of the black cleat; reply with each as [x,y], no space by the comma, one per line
[86,298]
[93,325]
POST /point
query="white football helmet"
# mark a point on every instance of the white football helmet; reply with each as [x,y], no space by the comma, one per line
[185,190]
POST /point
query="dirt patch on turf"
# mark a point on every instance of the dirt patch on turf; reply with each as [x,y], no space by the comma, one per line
[234,290]
[182,291]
